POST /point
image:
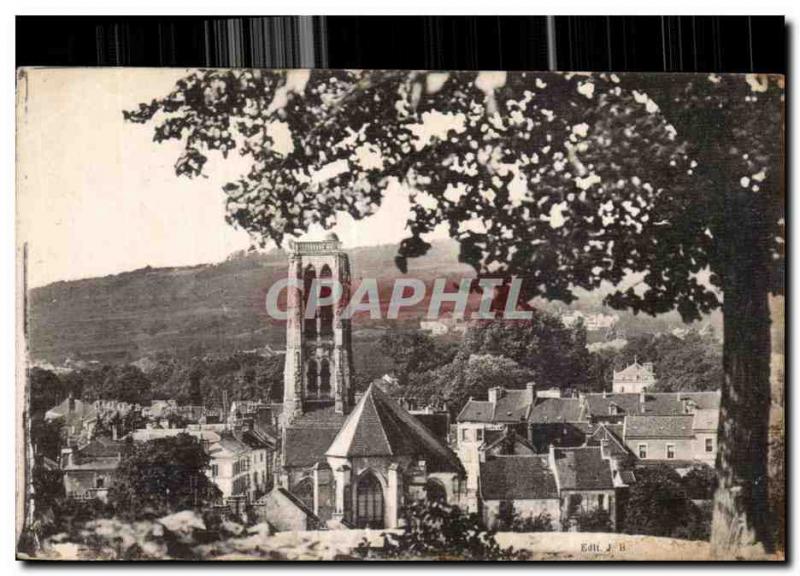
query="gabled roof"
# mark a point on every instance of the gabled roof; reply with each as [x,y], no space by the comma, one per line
[378,426]
[583,469]
[549,410]
[635,371]
[612,434]
[284,496]
[517,478]
[228,443]
[80,409]
[101,447]
[659,426]
[308,436]
[655,404]
[476,411]
[512,406]
[511,437]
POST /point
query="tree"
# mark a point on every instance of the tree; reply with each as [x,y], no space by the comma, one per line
[162,476]
[658,505]
[555,354]
[125,382]
[688,364]
[565,180]
[468,375]
[700,483]
[413,352]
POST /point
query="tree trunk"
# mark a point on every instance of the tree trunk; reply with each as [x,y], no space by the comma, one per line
[741,515]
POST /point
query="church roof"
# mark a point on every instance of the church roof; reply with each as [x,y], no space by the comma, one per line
[309,435]
[378,426]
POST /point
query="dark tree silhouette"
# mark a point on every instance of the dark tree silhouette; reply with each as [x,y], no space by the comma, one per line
[566,180]
[162,476]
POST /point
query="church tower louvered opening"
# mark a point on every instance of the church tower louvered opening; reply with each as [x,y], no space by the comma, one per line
[318,341]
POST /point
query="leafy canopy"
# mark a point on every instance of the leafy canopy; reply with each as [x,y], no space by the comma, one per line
[566,180]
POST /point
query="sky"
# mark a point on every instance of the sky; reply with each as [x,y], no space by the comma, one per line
[96,196]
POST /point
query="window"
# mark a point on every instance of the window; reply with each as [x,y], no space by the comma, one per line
[325,378]
[670,451]
[642,451]
[214,470]
[479,434]
[369,502]
[464,435]
[709,444]
[601,501]
[100,482]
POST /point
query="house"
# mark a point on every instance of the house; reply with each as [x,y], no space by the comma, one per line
[77,418]
[704,426]
[503,408]
[89,471]
[241,465]
[586,483]
[555,420]
[667,438]
[518,486]
[635,378]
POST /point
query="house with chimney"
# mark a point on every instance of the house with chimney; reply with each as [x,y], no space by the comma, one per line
[676,428]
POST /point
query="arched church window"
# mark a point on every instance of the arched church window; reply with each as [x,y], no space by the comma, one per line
[369,502]
[435,491]
[326,311]
[312,386]
[309,276]
[325,378]
[304,490]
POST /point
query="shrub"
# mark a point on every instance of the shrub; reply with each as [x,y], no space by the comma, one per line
[434,530]
[597,520]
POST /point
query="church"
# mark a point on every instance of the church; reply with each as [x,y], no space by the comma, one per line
[348,461]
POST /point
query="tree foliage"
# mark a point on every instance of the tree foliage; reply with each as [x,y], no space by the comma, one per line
[688,364]
[566,180]
[658,505]
[438,531]
[162,476]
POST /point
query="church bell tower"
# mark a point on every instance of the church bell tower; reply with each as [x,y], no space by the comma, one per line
[318,365]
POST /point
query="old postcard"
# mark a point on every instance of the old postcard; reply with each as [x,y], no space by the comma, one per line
[393,315]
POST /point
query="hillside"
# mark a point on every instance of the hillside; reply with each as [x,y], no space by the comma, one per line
[218,308]
[215,308]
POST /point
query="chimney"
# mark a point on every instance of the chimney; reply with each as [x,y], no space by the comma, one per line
[603,448]
[114,432]
[66,457]
[495,394]
[530,392]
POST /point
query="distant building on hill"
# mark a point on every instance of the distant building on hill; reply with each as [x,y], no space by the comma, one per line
[634,379]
